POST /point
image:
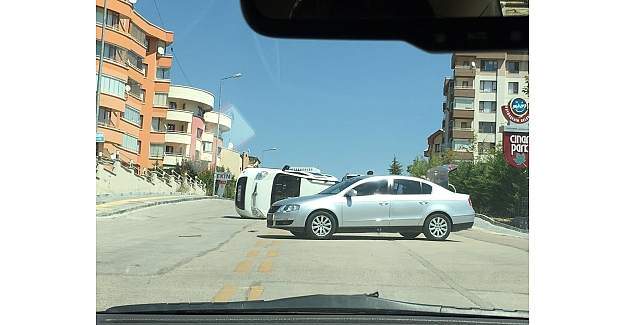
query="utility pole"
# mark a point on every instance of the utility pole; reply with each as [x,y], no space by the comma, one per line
[97,96]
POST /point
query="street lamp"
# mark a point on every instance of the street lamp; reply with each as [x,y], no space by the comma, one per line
[262,154]
[236,75]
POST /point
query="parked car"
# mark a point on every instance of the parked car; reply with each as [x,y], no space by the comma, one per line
[401,204]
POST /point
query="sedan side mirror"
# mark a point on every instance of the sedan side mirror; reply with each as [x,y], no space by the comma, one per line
[351,192]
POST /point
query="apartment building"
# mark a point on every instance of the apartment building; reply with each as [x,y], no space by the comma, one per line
[134,83]
[190,128]
[481,84]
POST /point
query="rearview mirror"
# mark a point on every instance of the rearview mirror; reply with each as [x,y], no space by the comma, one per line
[351,192]
[433,25]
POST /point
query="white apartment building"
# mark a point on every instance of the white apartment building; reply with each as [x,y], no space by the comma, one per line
[481,83]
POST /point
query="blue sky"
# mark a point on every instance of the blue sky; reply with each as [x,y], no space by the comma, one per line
[342,106]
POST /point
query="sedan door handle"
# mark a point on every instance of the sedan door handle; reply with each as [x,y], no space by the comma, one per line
[383,203]
[424,202]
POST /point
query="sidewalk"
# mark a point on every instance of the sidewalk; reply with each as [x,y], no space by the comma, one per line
[116,205]
[489,227]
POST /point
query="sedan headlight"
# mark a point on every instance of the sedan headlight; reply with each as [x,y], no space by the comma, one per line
[290,208]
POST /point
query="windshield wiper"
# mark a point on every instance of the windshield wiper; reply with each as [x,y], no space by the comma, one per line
[367,304]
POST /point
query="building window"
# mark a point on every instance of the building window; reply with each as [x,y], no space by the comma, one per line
[488,65]
[160,99]
[488,86]
[131,143]
[132,115]
[464,125]
[461,102]
[157,123]
[437,147]
[138,35]
[157,150]
[135,89]
[172,105]
[169,150]
[485,147]
[162,73]
[466,64]
[111,52]
[104,116]
[461,145]
[136,61]
[513,66]
[112,19]
[111,86]
[487,127]
[487,106]
[513,88]
[208,146]
[199,133]
[171,127]
[465,84]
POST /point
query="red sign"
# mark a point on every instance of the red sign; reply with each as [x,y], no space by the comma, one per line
[516,149]
[517,111]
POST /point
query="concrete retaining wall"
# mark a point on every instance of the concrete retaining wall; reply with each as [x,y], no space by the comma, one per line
[113,178]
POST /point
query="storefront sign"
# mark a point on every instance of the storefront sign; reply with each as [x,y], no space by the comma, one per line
[516,149]
[223,177]
[517,111]
[99,137]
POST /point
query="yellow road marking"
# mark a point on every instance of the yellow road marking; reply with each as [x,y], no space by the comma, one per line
[252,253]
[225,293]
[265,266]
[255,293]
[272,253]
[243,267]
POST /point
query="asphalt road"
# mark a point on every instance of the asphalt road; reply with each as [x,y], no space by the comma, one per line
[202,251]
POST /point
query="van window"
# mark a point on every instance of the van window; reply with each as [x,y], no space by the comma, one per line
[239,199]
[285,186]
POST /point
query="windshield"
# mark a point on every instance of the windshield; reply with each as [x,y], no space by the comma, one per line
[202,124]
[338,187]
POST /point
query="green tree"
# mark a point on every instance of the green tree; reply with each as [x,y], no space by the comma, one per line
[418,168]
[396,167]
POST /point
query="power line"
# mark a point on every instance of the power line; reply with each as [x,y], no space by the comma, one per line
[176,59]
[159,13]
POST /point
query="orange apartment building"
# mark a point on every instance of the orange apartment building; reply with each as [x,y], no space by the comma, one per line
[134,86]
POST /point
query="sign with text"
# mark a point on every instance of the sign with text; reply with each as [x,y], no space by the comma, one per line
[517,111]
[516,149]
[223,177]
[99,137]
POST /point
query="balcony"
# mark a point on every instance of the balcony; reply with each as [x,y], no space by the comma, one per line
[462,133]
[463,71]
[225,121]
[462,155]
[463,113]
[464,91]
[179,115]
[173,159]
[206,156]
[178,137]
[208,136]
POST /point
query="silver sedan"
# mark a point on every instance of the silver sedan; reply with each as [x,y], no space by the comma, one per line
[400,204]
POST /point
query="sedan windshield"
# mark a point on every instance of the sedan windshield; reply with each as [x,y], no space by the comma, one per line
[338,187]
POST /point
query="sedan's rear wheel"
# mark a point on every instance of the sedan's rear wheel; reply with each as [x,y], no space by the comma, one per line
[409,234]
[437,227]
[320,225]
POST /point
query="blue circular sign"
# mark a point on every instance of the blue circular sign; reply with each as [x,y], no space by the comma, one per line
[519,106]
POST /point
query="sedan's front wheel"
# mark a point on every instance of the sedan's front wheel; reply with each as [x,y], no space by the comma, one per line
[321,225]
[437,227]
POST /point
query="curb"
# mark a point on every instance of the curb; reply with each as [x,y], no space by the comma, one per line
[151,204]
[499,224]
